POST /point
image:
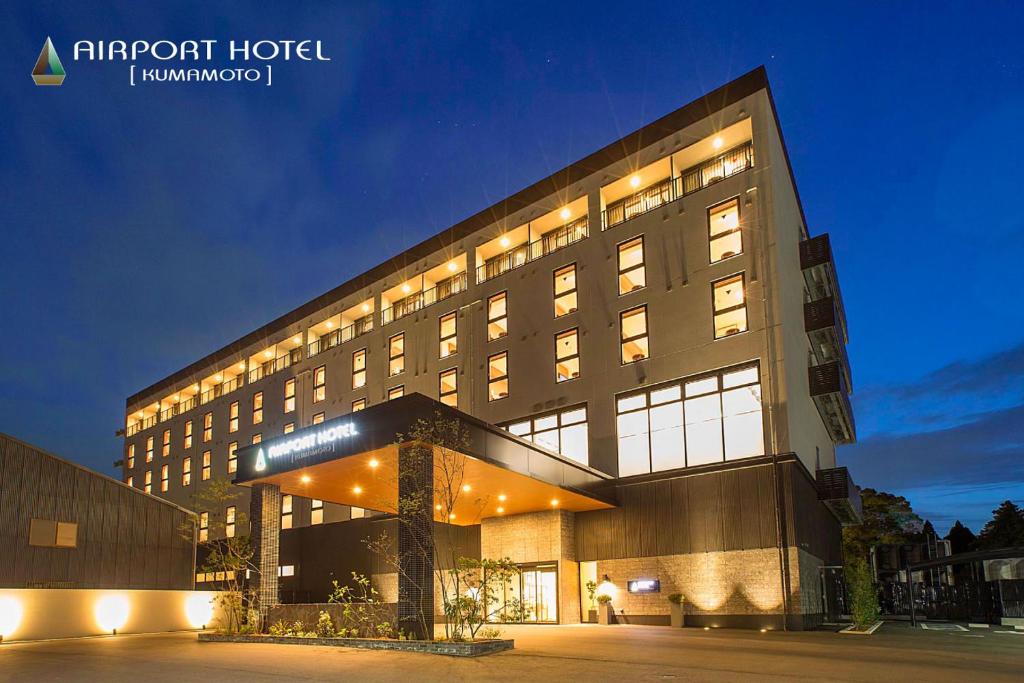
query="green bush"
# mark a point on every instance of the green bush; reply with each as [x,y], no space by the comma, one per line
[676,598]
[278,629]
[604,598]
[325,626]
[863,598]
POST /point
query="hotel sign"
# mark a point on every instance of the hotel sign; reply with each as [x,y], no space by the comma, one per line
[644,586]
[305,445]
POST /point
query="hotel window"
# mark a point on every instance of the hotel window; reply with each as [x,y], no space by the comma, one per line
[565,290]
[396,392]
[186,472]
[131,481]
[497,376]
[131,455]
[286,570]
[207,427]
[564,432]
[233,417]
[149,449]
[316,511]
[289,428]
[229,521]
[165,478]
[724,236]
[448,387]
[204,526]
[148,484]
[232,457]
[567,355]
[319,418]
[358,404]
[448,334]
[188,434]
[165,447]
[497,316]
[633,331]
[396,355]
[730,304]
[632,272]
[359,369]
[257,438]
[286,512]
[257,408]
[289,395]
[695,422]
[206,466]
[356,513]
[320,384]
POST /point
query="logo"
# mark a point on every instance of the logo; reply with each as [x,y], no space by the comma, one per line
[48,69]
[261,462]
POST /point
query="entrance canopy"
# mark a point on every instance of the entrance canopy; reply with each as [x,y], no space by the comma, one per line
[353,460]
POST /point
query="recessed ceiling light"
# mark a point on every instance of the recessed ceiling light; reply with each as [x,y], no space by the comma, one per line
[502,497]
[466,488]
[452,266]
[305,479]
[366,307]
[565,213]
[438,507]
[241,366]
[554,502]
[504,241]
[635,181]
[717,142]
[217,378]
[451,515]
[357,490]
[267,354]
[329,324]
[297,339]
[405,288]
[500,510]
[373,462]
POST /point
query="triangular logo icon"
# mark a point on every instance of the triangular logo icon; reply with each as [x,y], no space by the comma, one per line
[48,69]
[261,462]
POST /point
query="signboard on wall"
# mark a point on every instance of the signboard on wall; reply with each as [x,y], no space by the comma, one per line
[644,586]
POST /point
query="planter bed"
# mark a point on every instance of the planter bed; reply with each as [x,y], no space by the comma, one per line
[854,631]
[437,647]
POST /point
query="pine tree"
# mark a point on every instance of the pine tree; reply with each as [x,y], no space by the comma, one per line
[961,539]
[1004,530]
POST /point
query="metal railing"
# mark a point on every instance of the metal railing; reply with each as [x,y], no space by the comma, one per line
[414,302]
[139,425]
[271,366]
[219,390]
[691,180]
[522,254]
[341,335]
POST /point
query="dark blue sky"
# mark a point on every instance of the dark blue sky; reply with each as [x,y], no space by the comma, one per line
[145,227]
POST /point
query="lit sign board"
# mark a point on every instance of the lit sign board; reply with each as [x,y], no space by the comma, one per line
[644,586]
[306,445]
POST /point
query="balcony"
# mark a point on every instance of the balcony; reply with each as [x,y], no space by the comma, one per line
[340,336]
[543,244]
[218,390]
[831,394]
[273,365]
[838,492]
[826,329]
[410,304]
[820,275]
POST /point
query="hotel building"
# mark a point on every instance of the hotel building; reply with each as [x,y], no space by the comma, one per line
[648,347]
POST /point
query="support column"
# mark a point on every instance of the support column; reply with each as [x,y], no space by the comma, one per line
[265,524]
[416,541]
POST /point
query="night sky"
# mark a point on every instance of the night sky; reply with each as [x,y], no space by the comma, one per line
[145,227]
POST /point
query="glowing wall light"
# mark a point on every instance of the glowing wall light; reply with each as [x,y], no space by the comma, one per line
[112,612]
[10,616]
[199,610]
[606,587]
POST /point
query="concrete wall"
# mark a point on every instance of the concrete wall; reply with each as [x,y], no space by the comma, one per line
[37,614]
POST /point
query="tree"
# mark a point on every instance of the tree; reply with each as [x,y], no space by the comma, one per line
[961,539]
[1004,530]
[864,607]
[888,520]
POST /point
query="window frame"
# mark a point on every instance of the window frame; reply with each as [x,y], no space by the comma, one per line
[361,402]
[623,340]
[503,295]
[495,380]
[233,417]
[257,408]
[289,395]
[574,331]
[742,276]
[399,388]
[232,457]
[361,373]
[186,471]
[441,394]
[642,266]
[320,383]
[208,427]
[453,337]
[722,235]
[206,465]
[572,291]
[393,357]
[558,413]
[165,445]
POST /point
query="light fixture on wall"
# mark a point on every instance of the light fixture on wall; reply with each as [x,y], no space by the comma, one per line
[634,181]
[112,612]
[565,213]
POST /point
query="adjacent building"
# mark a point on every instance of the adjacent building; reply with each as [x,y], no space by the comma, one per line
[650,345]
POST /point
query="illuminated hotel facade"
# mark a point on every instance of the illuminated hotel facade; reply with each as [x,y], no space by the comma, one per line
[650,348]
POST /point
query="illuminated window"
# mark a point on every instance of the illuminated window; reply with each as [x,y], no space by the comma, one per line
[448,329]
[319,417]
[567,355]
[316,512]
[148,484]
[257,408]
[131,481]
[359,369]
[358,404]
[229,521]
[564,432]
[188,434]
[289,428]
[565,290]
[257,438]
[131,455]
[207,469]
[724,236]
[149,449]
[165,447]
[633,331]
[632,272]
[730,304]
[497,316]
[448,388]
[320,384]
[233,417]
[356,513]
[204,526]
[286,512]
[497,376]
[165,478]
[396,392]
[232,457]
[286,570]
[289,395]
[207,427]
[186,472]
[396,355]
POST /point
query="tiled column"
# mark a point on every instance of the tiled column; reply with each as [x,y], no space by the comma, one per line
[265,518]
[416,541]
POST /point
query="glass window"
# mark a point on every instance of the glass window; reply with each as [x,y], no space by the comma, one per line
[359,369]
[730,306]
[567,355]
[130,481]
[188,434]
[148,485]
[497,376]
[497,316]
[289,427]
[320,384]
[319,418]
[396,392]
[565,290]
[149,449]
[396,355]
[316,511]
[358,404]
[207,427]
[165,478]
[207,467]
[186,472]
[257,438]
[229,521]
[448,334]
[564,432]
[232,457]
[724,234]
[633,330]
[233,417]
[448,388]
[257,408]
[286,512]
[632,271]
[289,395]
[131,455]
[166,445]
[204,526]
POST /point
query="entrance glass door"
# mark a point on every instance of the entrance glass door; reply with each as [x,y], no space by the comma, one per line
[540,594]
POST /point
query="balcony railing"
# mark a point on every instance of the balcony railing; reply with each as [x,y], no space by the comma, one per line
[414,302]
[831,394]
[826,328]
[275,365]
[838,492]
[522,254]
[219,390]
[341,335]
[144,423]
[689,181]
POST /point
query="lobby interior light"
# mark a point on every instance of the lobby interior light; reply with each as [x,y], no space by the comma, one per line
[634,181]
[565,213]
[717,142]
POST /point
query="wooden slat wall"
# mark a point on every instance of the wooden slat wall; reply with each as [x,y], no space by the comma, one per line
[126,539]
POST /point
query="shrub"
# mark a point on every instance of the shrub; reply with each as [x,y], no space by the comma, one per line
[676,598]
[278,629]
[297,629]
[604,598]
[489,633]
[863,598]
[325,626]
